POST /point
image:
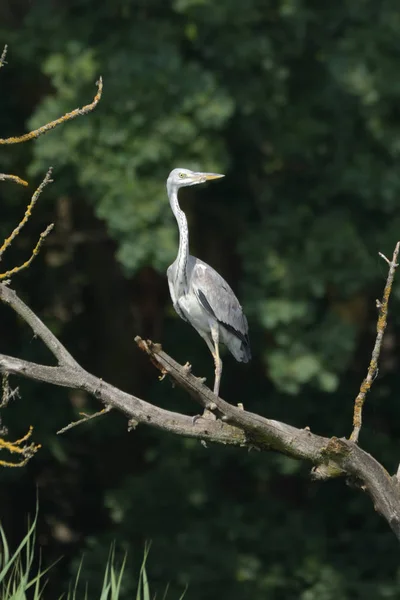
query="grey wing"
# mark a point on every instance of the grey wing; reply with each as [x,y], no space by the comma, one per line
[171,277]
[219,300]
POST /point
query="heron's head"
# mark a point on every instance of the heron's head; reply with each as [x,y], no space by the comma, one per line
[183,177]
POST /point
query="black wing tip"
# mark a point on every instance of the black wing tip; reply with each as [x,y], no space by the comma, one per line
[246,353]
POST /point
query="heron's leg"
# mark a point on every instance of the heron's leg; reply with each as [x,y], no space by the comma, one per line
[217,358]
[209,343]
[214,349]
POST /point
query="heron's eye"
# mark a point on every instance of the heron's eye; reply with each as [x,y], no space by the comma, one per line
[182,175]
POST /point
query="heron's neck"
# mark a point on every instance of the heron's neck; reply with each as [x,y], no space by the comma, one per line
[181,276]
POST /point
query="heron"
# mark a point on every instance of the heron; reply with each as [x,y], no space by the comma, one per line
[199,294]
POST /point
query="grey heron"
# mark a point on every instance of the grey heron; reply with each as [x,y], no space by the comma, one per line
[199,294]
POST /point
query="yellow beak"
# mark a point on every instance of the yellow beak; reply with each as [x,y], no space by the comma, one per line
[210,176]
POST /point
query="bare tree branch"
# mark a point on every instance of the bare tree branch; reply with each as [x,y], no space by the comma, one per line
[27,263]
[26,451]
[3,56]
[8,241]
[67,117]
[133,407]
[8,296]
[226,424]
[85,419]
[235,427]
[20,447]
[15,178]
[380,330]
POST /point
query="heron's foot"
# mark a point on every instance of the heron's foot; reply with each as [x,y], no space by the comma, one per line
[240,405]
[132,424]
[187,368]
[207,414]
[201,379]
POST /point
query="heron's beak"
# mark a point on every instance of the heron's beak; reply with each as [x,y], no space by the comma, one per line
[202,177]
[209,176]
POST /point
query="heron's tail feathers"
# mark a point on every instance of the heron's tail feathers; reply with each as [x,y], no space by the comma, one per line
[246,352]
[239,347]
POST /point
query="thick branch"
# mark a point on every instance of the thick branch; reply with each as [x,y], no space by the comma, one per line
[136,409]
[244,428]
[341,455]
[8,296]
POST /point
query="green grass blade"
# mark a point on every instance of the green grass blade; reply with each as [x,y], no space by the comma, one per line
[184,592]
[143,591]
[17,553]
[121,573]
[5,555]
[166,591]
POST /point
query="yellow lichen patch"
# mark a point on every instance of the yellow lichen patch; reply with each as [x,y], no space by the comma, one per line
[14,178]
[380,330]
[19,447]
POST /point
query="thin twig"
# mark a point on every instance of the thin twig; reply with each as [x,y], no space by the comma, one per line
[3,57]
[8,241]
[15,178]
[7,393]
[67,117]
[380,330]
[18,447]
[35,252]
[85,418]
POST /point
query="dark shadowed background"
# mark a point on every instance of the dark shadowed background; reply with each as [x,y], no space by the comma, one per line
[298,103]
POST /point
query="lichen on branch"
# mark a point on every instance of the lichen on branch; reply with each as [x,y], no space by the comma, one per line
[26,451]
[3,56]
[14,178]
[67,117]
[9,240]
[382,306]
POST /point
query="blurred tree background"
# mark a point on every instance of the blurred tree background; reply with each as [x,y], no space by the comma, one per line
[297,101]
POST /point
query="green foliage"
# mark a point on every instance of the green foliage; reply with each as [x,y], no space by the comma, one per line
[281,99]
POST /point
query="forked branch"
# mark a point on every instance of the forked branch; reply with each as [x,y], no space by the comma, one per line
[9,240]
[234,426]
[20,447]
